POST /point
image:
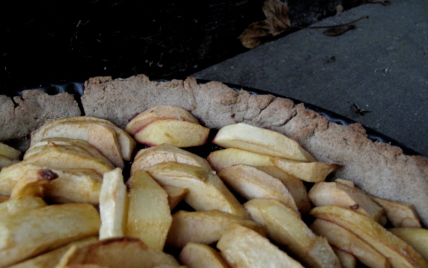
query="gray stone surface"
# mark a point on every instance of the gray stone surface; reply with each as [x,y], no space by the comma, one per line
[381,66]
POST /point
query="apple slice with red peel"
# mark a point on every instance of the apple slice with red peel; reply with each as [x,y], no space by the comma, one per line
[262,141]
[173,132]
[166,153]
[160,112]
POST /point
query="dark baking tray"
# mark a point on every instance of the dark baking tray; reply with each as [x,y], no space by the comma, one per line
[77,89]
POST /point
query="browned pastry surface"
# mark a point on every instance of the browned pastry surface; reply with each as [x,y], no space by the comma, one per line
[19,116]
[377,168]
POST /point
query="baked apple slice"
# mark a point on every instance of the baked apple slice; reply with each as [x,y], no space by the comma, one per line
[206,190]
[175,195]
[149,215]
[166,153]
[400,214]
[58,153]
[245,248]
[250,183]
[398,252]
[205,227]
[415,237]
[79,126]
[262,141]
[160,112]
[173,132]
[286,227]
[195,255]
[9,152]
[231,157]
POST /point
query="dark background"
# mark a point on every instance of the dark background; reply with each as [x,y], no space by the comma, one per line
[53,42]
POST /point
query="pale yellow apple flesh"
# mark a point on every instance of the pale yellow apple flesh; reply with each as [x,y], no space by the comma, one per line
[295,186]
[400,214]
[285,226]
[195,255]
[250,183]
[5,162]
[33,183]
[415,237]
[166,153]
[77,155]
[32,232]
[349,242]
[230,157]
[204,227]
[398,252]
[339,194]
[158,113]
[51,258]
[206,190]
[113,200]
[104,139]
[175,195]
[72,185]
[117,252]
[243,247]
[307,171]
[149,215]
[260,140]
[15,206]
[9,152]
[346,259]
[127,143]
[4,198]
[173,132]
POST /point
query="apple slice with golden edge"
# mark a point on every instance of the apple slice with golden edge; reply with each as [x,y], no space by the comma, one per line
[250,183]
[242,247]
[204,227]
[400,214]
[195,255]
[285,227]
[262,141]
[166,153]
[9,152]
[56,155]
[206,190]
[306,171]
[149,215]
[175,195]
[50,259]
[160,112]
[295,186]
[72,185]
[231,157]
[56,128]
[339,194]
[112,204]
[415,237]
[32,232]
[127,252]
[398,252]
[346,259]
[349,242]
[174,132]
